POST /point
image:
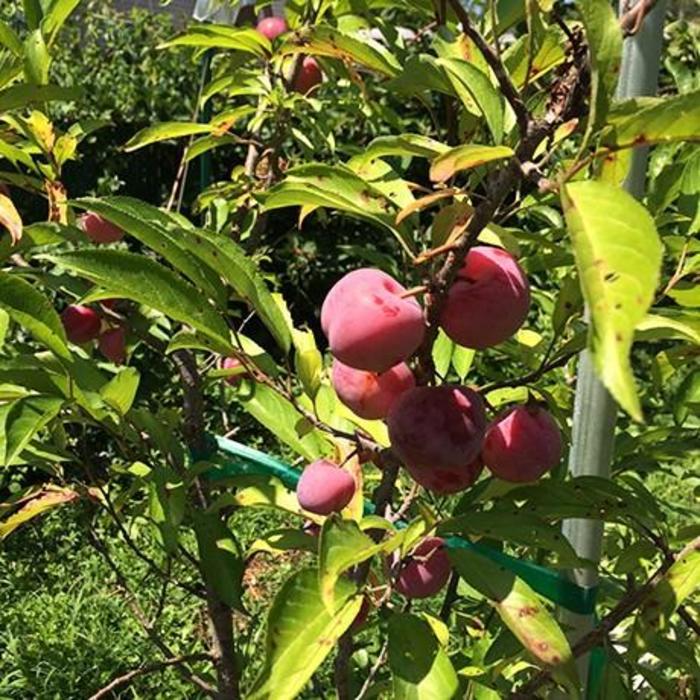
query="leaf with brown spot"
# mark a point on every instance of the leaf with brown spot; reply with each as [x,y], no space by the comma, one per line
[301,634]
[523,613]
[465,158]
[49,497]
[618,257]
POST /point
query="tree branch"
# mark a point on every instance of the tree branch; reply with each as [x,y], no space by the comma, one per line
[566,95]
[142,619]
[506,84]
[220,618]
[629,603]
[126,678]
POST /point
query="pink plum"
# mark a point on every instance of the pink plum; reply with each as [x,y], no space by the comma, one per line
[309,75]
[99,230]
[522,444]
[82,324]
[368,394]
[272,27]
[488,301]
[426,571]
[437,429]
[232,363]
[112,345]
[447,481]
[368,324]
[325,488]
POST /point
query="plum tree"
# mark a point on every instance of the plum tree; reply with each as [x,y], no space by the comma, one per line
[232,363]
[325,488]
[99,230]
[488,301]
[522,444]
[272,27]
[447,481]
[370,395]
[368,324]
[82,324]
[308,76]
[437,433]
[425,571]
[112,344]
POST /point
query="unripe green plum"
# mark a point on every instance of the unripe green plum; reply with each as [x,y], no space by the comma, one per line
[426,571]
[99,230]
[489,300]
[309,76]
[272,27]
[437,432]
[447,481]
[522,444]
[325,488]
[370,395]
[112,345]
[82,324]
[368,324]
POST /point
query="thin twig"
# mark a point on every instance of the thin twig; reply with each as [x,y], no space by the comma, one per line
[629,603]
[506,84]
[141,617]
[126,678]
[373,671]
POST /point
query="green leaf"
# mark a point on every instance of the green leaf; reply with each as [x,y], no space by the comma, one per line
[21,96]
[604,38]
[670,324]
[9,39]
[163,132]
[322,40]
[687,398]
[342,546]
[133,276]
[34,312]
[308,362]
[47,499]
[120,391]
[33,13]
[283,540]
[36,59]
[443,350]
[300,635]
[402,145]
[220,558]
[280,417]
[522,612]
[154,229]
[166,504]
[647,121]
[222,37]
[464,158]
[677,584]
[618,256]
[336,187]
[475,89]
[420,667]
[421,74]
[56,15]
[26,417]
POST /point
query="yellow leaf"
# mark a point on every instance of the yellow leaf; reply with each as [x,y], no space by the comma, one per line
[10,218]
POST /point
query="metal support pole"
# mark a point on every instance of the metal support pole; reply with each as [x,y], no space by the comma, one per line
[594,409]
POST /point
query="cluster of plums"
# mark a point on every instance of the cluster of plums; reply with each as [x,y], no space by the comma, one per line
[85,324]
[309,74]
[440,433]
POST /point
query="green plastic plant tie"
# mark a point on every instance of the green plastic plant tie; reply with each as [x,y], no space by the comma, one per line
[244,460]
